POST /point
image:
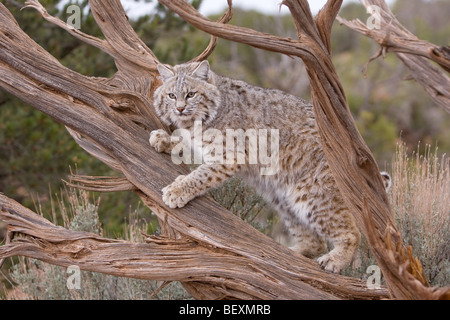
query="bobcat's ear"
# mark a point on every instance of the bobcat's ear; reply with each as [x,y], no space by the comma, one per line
[202,71]
[165,71]
[387,180]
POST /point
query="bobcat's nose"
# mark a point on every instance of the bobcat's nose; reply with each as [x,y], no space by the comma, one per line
[180,106]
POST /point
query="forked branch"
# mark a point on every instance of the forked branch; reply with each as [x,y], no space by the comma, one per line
[325,19]
[213,42]
[416,54]
[93,41]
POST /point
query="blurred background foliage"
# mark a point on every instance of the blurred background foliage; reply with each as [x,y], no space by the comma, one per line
[36,153]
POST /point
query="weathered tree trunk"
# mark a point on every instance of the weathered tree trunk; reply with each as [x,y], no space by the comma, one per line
[211,251]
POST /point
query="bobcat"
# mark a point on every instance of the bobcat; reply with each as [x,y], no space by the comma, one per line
[303,190]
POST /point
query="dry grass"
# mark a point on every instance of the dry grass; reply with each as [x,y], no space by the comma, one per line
[36,280]
[420,198]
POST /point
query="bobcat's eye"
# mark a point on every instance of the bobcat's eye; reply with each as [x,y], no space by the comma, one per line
[172,96]
[190,95]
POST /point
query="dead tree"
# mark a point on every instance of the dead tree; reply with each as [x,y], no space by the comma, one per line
[213,253]
[415,54]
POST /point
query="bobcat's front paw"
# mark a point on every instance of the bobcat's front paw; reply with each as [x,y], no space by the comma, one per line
[176,195]
[160,140]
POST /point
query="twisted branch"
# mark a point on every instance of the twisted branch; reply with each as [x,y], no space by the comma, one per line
[355,170]
[213,253]
[416,54]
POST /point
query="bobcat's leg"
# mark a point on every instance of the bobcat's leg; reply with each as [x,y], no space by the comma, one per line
[161,141]
[340,229]
[198,182]
[309,243]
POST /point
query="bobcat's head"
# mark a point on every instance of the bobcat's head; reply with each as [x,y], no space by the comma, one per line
[187,94]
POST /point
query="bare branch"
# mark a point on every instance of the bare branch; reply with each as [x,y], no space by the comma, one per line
[161,258]
[396,40]
[238,34]
[413,52]
[93,41]
[325,19]
[212,44]
[131,49]
[100,184]
[303,19]
[435,82]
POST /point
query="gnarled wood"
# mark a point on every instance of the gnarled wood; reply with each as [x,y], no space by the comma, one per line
[353,165]
[214,253]
[187,259]
[416,54]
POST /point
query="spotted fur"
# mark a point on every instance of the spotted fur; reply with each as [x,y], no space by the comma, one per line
[303,191]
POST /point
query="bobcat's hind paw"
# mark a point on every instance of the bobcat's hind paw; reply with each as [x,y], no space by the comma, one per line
[160,140]
[331,263]
[176,195]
